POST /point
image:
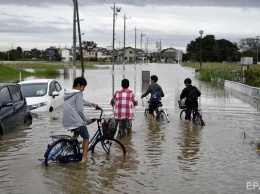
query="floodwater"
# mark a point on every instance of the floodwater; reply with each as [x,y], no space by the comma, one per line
[161,157]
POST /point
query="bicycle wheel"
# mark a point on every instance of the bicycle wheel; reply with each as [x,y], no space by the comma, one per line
[58,150]
[112,147]
[182,114]
[146,112]
[197,119]
[163,116]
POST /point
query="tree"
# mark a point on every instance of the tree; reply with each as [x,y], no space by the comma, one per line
[226,51]
[208,48]
[89,44]
[212,50]
[3,56]
[249,47]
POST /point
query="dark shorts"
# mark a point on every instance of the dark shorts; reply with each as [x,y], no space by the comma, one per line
[83,132]
[188,113]
[152,107]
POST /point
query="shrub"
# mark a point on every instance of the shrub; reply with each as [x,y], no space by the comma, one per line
[252,77]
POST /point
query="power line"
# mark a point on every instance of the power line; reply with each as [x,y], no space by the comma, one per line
[93,19]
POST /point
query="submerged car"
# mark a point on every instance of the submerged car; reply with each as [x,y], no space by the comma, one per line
[13,108]
[42,94]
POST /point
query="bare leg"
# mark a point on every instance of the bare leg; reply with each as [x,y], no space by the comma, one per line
[85,151]
[129,130]
[150,117]
[187,121]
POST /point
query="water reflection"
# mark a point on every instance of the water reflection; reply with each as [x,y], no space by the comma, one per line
[189,142]
[153,143]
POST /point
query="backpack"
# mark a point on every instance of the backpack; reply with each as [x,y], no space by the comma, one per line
[192,96]
[156,97]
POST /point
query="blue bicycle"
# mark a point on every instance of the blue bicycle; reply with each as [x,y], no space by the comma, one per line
[65,148]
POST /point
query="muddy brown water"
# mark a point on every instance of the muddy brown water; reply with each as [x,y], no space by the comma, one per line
[161,157]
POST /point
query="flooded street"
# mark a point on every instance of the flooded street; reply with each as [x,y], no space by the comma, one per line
[161,157]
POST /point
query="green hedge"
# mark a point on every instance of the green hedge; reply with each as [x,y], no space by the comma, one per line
[218,75]
[252,77]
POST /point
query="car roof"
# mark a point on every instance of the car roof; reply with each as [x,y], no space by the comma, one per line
[36,81]
[2,85]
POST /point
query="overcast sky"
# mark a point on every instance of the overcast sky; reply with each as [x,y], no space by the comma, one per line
[41,24]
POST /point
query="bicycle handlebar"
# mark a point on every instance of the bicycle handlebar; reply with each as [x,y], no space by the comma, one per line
[101,113]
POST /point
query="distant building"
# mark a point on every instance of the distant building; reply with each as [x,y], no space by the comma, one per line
[171,55]
[129,54]
[52,54]
[103,54]
[66,54]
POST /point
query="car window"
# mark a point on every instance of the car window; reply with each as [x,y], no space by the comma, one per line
[52,88]
[58,87]
[34,89]
[16,94]
[5,95]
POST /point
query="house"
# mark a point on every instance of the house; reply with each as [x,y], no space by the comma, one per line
[140,55]
[89,54]
[171,55]
[66,54]
[27,53]
[168,55]
[129,54]
[52,54]
[103,54]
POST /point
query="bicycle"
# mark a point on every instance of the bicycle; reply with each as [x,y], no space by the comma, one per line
[122,124]
[196,113]
[161,113]
[65,149]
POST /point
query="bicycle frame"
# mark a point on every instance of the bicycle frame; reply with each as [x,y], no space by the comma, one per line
[158,110]
[194,111]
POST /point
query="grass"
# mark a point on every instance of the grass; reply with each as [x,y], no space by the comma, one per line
[53,65]
[217,72]
[43,65]
[11,74]
[209,65]
[47,72]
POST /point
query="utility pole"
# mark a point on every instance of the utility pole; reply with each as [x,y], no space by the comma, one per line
[257,38]
[160,50]
[124,46]
[201,32]
[135,47]
[115,10]
[146,49]
[74,40]
[80,43]
[124,43]
[141,44]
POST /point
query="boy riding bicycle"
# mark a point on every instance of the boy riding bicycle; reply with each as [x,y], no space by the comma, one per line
[73,112]
[152,89]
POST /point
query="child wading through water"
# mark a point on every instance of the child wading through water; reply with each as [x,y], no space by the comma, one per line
[73,113]
[124,101]
[152,88]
